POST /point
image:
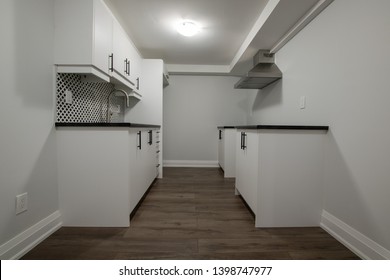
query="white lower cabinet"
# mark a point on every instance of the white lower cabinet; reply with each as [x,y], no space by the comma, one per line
[227,151]
[103,172]
[142,163]
[246,166]
[279,175]
[93,176]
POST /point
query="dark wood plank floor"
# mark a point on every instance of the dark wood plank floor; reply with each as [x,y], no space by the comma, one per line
[191,214]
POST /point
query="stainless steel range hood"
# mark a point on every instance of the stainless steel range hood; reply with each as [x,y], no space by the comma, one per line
[263,73]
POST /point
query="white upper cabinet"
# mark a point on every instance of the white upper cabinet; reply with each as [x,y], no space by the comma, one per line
[83,37]
[121,44]
[125,59]
[136,72]
[102,42]
[89,40]
[135,67]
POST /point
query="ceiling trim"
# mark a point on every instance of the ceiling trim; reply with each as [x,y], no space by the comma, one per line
[305,20]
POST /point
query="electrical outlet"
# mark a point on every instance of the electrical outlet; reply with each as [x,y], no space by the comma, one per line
[116,109]
[21,203]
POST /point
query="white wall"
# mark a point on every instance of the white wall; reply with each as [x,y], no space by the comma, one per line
[341,63]
[27,145]
[193,108]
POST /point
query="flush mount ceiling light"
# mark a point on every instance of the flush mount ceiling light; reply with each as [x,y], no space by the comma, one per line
[187,28]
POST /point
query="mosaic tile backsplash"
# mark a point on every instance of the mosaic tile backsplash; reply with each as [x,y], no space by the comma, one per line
[89,100]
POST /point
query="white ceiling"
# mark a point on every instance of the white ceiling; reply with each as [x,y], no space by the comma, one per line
[232,30]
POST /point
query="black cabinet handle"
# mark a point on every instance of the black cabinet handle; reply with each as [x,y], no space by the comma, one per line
[150,142]
[139,146]
[128,67]
[111,62]
[243,140]
[126,64]
[220,134]
[138,83]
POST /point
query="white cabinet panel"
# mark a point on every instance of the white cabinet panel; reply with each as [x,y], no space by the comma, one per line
[290,178]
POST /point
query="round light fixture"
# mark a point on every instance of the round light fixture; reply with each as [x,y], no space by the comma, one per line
[187,28]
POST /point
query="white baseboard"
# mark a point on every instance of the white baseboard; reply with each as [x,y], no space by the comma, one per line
[190,163]
[358,243]
[25,241]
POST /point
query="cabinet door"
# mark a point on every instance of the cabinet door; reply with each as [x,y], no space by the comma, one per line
[73,37]
[247,166]
[125,60]
[120,51]
[221,149]
[135,67]
[229,153]
[143,163]
[137,177]
[134,179]
[103,33]
[240,162]
[150,157]
[83,37]
[158,154]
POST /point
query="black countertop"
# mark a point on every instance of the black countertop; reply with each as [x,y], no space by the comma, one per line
[286,127]
[223,127]
[104,124]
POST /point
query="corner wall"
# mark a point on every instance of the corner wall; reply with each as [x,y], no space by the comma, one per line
[341,63]
[28,145]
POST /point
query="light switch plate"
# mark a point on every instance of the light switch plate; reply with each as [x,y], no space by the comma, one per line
[21,203]
[302,102]
[116,109]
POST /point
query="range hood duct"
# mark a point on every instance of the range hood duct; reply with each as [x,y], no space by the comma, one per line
[263,73]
